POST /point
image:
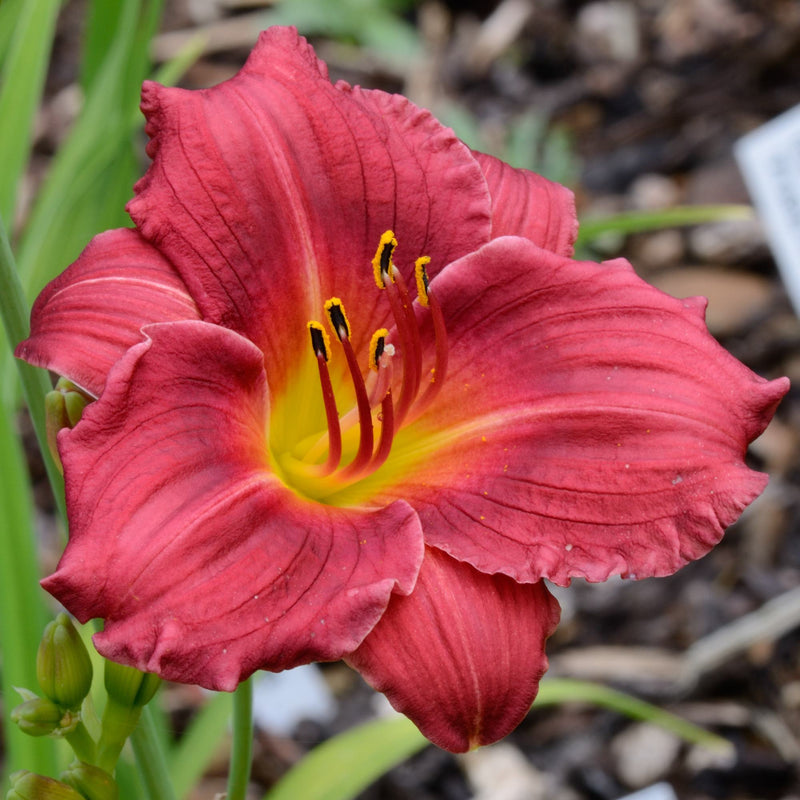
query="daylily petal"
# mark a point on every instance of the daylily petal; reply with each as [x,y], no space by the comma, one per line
[86,318]
[526,204]
[203,565]
[462,655]
[590,425]
[270,193]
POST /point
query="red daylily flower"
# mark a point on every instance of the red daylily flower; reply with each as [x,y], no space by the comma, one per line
[241,497]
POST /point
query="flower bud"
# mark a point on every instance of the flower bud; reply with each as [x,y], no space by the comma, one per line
[38,716]
[129,687]
[63,666]
[91,781]
[63,409]
[29,786]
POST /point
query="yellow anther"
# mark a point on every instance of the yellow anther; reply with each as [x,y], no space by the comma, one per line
[421,274]
[320,342]
[382,262]
[377,346]
[337,317]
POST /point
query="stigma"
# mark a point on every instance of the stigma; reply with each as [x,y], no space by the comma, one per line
[389,389]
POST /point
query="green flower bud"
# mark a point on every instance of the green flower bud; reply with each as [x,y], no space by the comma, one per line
[129,687]
[39,716]
[63,409]
[63,666]
[91,781]
[29,786]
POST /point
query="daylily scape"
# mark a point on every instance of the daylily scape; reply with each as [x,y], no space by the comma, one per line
[355,399]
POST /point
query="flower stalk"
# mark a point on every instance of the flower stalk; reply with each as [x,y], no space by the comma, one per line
[128,692]
[242,750]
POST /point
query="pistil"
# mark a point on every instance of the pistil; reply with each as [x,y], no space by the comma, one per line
[380,355]
[321,346]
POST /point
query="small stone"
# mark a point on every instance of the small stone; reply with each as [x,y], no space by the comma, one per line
[778,447]
[658,791]
[718,181]
[608,31]
[644,753]
[658,250]
[651,192]
[501,772]
[729,242]
[686,28]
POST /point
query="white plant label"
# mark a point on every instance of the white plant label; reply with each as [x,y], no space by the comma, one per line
[769,158]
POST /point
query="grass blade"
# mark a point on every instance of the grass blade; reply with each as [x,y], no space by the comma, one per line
[21,85]
[9,11]
[52,238]
[22,601]
[556,691]
[35,382]
[344,766]
[640,221]
[191,755]
[102,20]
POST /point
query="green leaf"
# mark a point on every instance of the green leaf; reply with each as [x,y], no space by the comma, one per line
[557,691]
[102,19]
[35,382]
[9,11]
[367,22]
[171,72]
[21,83]
[190,757]
[56,230]
[151,758]
[344,766]
[22,601]
[639,221]
[24,612]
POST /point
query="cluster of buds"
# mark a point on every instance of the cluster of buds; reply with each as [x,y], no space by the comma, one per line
[64,672]
[81,781]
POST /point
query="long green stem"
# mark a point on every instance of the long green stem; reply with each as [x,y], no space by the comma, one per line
[241,755]
[35,382]
[150,758]
[81,743]
[118,723]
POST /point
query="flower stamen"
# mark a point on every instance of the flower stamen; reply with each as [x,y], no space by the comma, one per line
[382,260]
[341,327]
[388,277]
[428,299]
